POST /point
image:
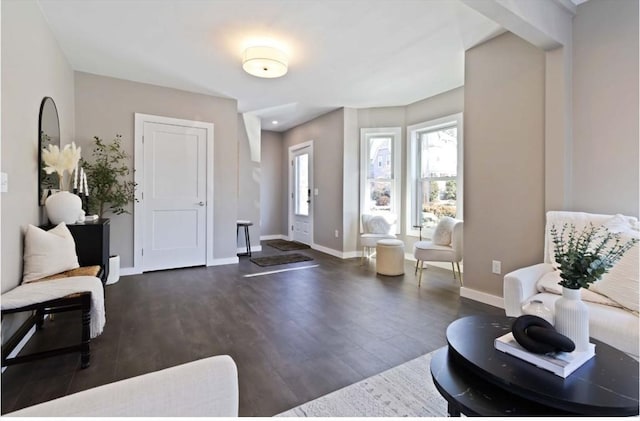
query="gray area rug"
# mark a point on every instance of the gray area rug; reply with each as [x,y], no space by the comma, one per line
[403,391]
[280,259]
[285,245]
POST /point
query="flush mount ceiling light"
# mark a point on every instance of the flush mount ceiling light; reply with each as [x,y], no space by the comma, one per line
[268,62]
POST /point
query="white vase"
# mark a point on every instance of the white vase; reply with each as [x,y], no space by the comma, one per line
[63,207]
[572,318]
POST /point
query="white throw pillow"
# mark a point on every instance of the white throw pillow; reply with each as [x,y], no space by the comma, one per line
[621,283]
[48,252]
[549,283]
[618,224]
[378,225]
[442,233]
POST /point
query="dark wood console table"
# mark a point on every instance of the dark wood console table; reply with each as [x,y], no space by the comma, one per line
[477,379]
[92,243]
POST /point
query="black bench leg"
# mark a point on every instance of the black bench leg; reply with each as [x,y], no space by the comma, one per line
[85,351]
[39,318]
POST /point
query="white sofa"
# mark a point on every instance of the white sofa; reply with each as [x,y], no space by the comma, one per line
[206,387]
[612,319]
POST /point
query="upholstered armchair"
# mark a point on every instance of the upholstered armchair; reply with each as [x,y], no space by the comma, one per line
[445,246]
[375,228]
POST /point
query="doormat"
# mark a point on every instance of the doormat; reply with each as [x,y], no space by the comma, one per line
[280,259]
[285,245]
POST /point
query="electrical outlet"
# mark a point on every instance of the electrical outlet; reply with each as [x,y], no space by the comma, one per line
[496,267]
[337,234]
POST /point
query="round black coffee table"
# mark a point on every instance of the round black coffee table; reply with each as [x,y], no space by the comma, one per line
[477,379]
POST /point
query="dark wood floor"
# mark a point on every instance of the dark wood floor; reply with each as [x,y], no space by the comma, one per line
[295,335]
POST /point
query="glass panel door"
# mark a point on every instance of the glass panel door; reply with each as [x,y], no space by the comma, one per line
[302,192]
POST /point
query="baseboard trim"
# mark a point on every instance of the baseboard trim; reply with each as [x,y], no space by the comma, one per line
[224,261]
[273,237]
[129,271]
[351,254]
[327,250]
[22,343]
[483,297]
[253,248]
[337,253]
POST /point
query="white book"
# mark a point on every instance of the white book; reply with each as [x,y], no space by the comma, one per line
[559,363]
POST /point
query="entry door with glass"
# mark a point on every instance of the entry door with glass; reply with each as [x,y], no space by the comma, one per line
[301,181]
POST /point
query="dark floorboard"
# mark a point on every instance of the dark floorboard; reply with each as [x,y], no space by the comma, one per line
[295,336]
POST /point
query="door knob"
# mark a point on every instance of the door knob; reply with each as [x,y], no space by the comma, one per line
[200,203]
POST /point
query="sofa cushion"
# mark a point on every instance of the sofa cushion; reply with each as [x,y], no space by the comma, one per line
[549,283]
[580,220]
[48,252]
[621,283]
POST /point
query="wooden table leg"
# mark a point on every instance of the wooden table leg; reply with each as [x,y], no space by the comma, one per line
[85,351]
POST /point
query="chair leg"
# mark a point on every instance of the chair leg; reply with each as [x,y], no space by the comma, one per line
[459,273]
[416,271]
[453,268]
[420,276]
[364,254]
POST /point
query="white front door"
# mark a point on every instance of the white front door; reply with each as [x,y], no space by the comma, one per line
[175,196]
[301,185]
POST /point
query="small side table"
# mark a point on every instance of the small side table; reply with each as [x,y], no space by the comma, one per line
[247,240]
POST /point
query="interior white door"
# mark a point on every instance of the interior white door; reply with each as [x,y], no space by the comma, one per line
[174,200]
[301,186]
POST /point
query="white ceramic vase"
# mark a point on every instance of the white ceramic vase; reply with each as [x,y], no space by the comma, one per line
[64,207]
[572,318]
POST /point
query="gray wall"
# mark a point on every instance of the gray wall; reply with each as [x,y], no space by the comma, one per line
[272,184]
[327,132]
[503,159]
[33,66]
[605,98]
[249,176]
[106,106]
[350,184]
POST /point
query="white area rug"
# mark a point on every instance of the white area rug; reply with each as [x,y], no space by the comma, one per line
[403,391]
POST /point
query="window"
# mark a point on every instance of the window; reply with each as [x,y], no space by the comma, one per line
[379,171]
[434,172]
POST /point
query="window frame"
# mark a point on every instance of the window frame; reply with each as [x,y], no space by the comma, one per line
[395,133]
[413,171]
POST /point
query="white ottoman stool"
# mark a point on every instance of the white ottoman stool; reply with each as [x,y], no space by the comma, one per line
[390,257]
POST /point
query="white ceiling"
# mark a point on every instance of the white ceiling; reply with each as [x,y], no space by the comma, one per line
[352,53]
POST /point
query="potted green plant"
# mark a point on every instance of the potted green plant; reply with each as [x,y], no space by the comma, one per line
[110,186]
[582,258]
[108,175]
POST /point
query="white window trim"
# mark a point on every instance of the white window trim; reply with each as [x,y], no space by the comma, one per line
[396,135]
[412,173]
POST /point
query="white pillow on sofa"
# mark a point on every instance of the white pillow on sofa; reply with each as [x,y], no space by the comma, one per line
[549,283]
[48,252]
[621,283]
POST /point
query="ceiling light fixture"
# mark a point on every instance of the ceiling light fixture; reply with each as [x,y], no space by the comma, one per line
[274,122]
[262,61]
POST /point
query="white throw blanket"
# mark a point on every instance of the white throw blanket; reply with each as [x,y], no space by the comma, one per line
[38,292]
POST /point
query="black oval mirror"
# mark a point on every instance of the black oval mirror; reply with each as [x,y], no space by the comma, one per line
[49,134]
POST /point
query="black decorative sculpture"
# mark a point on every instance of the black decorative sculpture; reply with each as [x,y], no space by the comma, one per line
[537,335]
